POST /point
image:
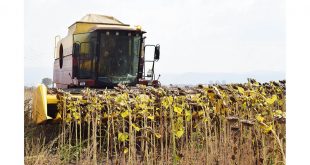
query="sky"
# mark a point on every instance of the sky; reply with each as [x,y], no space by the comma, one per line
[196,36]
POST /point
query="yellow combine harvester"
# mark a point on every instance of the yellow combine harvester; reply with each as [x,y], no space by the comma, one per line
[98,52]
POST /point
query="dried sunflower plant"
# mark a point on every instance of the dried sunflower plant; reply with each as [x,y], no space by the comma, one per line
[212,124]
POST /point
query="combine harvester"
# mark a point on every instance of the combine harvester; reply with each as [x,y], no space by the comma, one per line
[98,52]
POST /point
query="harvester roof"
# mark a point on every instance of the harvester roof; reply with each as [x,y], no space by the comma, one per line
[91,22]
[100,19]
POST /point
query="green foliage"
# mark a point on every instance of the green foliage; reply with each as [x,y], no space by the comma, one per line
[47,81]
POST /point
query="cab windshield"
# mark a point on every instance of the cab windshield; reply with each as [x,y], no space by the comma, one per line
[118,56]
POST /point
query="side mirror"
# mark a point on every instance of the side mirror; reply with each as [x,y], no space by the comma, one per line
[157,52]
[76,49]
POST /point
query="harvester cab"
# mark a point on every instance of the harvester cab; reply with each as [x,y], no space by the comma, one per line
[98,52]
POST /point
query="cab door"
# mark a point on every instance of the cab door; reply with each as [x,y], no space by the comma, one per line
[84,56]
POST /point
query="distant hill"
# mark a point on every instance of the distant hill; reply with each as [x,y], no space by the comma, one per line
[209,78]
[33,76]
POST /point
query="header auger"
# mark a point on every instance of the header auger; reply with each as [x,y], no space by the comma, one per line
[98,52]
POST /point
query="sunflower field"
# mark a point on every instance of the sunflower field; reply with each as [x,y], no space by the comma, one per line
[206,124]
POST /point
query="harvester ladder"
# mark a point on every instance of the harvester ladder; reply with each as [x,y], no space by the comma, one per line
[153,64]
